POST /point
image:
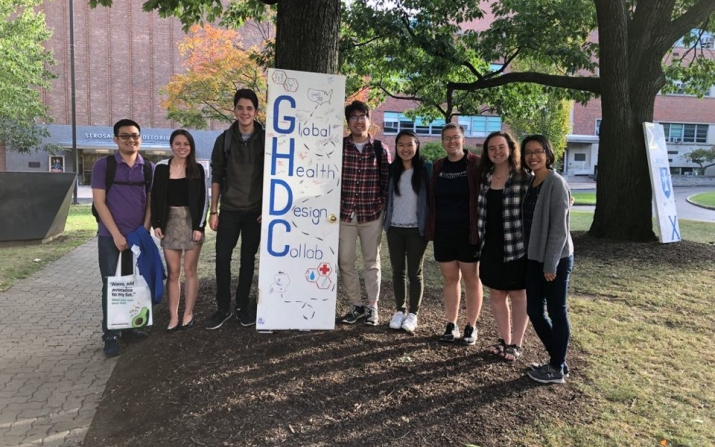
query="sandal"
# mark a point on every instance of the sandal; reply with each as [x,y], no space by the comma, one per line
[498,348]
[512,353]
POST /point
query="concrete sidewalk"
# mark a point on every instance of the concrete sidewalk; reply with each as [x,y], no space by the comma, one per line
[52,368]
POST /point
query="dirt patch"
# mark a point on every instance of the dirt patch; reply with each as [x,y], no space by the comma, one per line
[355,386]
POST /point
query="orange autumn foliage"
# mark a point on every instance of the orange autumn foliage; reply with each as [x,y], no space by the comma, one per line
[216,65]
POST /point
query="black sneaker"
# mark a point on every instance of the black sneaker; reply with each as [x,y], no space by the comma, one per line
[356,313]
[111,346]
[132,335]
[536,365]
[470,335]
[451,333]
[246,319]
[218,319]
[547,374]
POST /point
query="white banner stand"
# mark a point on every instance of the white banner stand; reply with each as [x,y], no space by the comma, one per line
[663,196]
[297,281]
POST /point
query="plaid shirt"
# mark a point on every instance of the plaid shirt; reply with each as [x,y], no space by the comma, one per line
[514,191]
[364,189]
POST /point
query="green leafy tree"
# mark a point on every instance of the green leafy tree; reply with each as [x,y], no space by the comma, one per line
[552,119]
[23,71]
[627,67]
[700,157]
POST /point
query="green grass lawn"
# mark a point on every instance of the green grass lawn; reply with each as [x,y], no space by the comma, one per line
[584,198]
[704,199]
[22,261]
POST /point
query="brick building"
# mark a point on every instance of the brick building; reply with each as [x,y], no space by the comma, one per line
[123,56]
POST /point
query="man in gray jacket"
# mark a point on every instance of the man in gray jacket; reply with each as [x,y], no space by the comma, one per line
[237,183]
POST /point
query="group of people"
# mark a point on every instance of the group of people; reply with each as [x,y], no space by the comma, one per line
[501,219]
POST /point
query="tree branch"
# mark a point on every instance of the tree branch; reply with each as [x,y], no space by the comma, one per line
[588,84]
[406,98]
[691,19]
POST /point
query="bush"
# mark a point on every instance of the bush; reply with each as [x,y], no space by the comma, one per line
[432,151]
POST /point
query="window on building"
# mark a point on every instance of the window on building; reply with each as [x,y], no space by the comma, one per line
[480,126]
[394,122]
[685,133]
[579,157]
[672,152]
[598,127]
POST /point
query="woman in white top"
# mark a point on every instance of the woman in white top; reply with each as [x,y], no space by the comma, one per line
[405,222]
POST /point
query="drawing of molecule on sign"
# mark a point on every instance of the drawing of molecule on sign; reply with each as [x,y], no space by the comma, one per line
[320,275]
[289,84]
[279,77]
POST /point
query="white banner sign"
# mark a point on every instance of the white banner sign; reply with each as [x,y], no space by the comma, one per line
[661,183]
[297,282]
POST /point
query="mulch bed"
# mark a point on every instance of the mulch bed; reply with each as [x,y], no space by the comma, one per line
[354,386]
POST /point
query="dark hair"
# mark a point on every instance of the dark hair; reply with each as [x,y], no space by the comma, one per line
[356,106]
[452,126]
[545,143]
[418,163]
[486,165]
[245,93]
[125,123]
[192,167]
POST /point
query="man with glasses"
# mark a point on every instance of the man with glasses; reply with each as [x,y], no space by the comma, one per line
[121,209]
[237,183]
[364,192]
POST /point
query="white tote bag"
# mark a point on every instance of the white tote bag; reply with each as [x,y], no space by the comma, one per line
[128,298]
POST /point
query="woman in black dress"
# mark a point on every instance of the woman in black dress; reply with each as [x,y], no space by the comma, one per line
[503,255]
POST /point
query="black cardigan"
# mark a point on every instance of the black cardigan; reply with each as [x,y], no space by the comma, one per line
[198,199]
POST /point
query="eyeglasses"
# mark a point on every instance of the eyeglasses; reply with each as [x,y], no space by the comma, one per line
[358,117]
[538,153]
[452,138]
[127,136]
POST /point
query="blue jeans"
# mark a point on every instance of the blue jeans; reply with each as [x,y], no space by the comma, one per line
[230,226]
[108,256]
[543,296]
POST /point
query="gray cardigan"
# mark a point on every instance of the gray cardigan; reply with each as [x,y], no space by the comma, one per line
[550,237]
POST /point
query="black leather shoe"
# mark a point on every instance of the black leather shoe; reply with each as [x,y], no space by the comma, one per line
[188,325]
[173,329]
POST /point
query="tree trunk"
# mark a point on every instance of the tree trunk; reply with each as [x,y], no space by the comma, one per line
[3,157]
[631,78]
[307,35]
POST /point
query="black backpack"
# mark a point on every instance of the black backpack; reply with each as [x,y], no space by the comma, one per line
[109,180]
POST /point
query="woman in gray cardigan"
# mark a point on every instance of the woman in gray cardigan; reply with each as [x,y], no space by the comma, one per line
[549,257]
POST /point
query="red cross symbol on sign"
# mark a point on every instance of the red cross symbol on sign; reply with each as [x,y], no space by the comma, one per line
[324,269]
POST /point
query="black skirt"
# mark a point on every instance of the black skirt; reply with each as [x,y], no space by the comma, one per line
[494,272]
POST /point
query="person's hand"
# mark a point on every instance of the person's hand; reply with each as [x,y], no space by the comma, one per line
[158,233]
[120,242]
[197,235]
[213,222]
[549,276]
[259,217]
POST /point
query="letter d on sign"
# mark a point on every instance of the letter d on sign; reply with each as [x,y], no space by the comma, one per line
[289,200]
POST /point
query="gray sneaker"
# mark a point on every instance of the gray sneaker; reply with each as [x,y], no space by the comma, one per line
[470,335]
[547,374]
[371,316]
[537,365]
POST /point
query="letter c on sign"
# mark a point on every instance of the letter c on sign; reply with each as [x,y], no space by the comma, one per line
[270,238]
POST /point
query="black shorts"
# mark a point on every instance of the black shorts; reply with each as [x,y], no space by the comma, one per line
[452,244]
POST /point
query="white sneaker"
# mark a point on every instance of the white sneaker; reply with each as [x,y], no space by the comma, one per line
[410,323]
[397,320]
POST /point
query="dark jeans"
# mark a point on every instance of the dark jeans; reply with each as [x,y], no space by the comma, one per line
[230,226]
[401,243]
[108,256]
[554,330]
